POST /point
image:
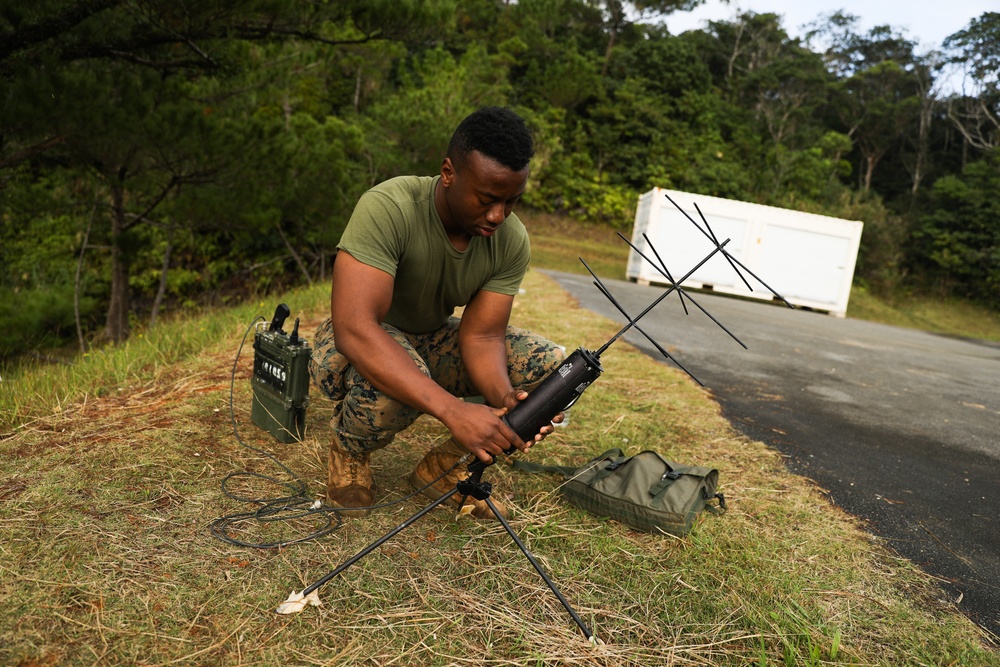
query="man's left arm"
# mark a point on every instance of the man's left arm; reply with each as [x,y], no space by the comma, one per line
[482,341]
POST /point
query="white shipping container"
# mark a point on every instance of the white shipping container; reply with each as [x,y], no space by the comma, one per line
[808,259]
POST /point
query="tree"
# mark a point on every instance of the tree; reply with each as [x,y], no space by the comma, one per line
[916,160]
[960,238]
[617,16]
[434,92]
[38,236]
[783,85]
[976,113]
[145,140]
[141,133]
[882,90]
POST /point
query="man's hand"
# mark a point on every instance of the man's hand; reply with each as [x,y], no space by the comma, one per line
[511,400]
[480,429]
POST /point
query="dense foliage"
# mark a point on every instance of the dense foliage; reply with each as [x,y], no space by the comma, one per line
[161,154]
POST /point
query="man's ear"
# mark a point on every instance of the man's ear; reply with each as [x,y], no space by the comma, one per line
[447,173]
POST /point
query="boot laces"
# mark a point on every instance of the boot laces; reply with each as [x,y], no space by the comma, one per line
[355,470]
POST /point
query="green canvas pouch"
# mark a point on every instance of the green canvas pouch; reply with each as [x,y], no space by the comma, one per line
[645,491]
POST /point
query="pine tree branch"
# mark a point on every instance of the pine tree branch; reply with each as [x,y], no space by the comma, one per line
[35,33]
[29,152]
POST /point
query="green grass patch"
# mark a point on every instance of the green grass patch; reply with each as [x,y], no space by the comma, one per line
[951,317]
[30,389]
[110,480]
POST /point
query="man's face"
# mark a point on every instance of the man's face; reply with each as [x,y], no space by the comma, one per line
[479,194]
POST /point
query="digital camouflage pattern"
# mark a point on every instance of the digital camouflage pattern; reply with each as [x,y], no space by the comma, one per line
[365,419]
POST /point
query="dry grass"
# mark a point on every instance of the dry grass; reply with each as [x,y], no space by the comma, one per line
[107,557]
[558,243]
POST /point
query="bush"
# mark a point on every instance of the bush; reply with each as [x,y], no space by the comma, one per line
[31,319]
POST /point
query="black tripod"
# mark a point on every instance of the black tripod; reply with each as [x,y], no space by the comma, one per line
[475,487]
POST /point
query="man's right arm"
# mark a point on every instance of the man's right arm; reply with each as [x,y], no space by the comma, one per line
[360,298]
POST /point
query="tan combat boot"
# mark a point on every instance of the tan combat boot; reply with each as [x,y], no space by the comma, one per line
[440,459]
[349,481]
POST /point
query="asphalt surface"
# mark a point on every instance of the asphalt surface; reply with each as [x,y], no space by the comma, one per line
[901,427]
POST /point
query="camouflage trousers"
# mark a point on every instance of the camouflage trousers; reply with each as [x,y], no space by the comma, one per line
[365,419]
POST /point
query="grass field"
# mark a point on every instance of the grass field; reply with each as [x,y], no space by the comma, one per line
[110,474]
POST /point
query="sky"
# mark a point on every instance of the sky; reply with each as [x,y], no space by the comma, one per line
[926,22]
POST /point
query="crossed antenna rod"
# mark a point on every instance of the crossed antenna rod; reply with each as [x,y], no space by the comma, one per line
[675,285]
[604,290]
[710,235]
[632,321]
[662,268]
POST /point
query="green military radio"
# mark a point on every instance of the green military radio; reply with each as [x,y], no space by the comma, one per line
[280,379]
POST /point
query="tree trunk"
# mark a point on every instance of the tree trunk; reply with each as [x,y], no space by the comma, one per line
[357,91]
[116,325]
[76,280]
[918,174]
[162,289]
[928,106]
[871,159]
[617,18]
[295,255]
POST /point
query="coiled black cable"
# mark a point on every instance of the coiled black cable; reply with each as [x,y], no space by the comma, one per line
[297,503]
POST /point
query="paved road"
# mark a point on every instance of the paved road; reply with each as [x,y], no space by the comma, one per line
[901,427]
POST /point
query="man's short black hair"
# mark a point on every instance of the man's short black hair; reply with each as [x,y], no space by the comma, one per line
[497,133]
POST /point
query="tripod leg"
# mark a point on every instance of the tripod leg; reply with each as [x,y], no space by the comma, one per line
[538,568]
[377,543]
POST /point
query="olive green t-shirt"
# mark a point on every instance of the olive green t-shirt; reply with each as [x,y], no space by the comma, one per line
[396,228]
